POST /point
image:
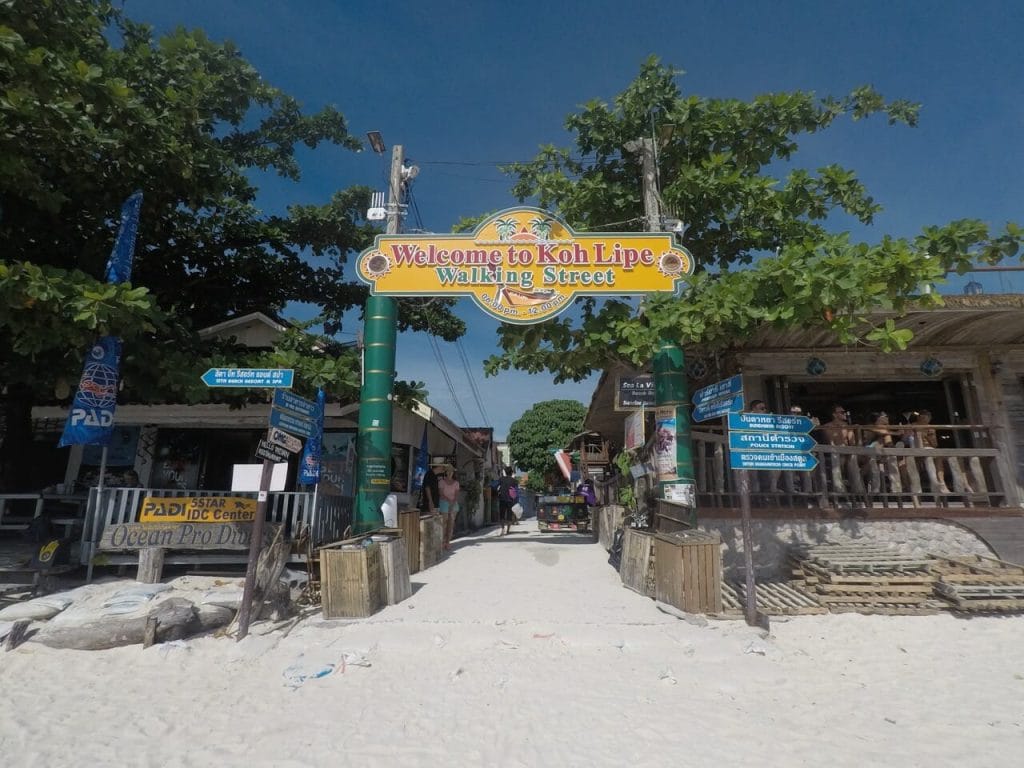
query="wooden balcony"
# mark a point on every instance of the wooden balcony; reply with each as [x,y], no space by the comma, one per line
[867,481]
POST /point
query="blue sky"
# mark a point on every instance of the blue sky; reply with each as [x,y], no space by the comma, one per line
[466,86]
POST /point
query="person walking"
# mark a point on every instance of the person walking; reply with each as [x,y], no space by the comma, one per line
[508,496]
[429,495]
[448,489]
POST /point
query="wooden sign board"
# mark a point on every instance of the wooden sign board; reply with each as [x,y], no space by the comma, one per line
[197,509]
[177,536]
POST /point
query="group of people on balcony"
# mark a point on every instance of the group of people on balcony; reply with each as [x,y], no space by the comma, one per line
[913,430]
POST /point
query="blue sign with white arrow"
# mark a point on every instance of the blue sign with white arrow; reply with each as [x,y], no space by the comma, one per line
[719,390]
[289,422]
[769,422]
[297,405]
[769,441]
[715,408]
[249,377]
[786,460]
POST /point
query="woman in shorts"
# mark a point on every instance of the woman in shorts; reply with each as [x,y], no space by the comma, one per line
[448,490]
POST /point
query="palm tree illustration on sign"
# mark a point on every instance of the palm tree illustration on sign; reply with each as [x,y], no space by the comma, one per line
[506,228]
[541,228]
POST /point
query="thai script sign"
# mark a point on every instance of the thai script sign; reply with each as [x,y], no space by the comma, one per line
[197,509]
[719,390]
[524,265]
[249,377]
[770,441]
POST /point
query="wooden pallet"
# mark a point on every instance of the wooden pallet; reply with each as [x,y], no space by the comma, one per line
[773,598]
[867,578]
[977,564]
[929,608]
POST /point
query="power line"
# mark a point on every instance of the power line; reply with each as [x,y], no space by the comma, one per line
[472,381]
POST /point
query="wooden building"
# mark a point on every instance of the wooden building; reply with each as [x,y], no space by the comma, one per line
[965,364]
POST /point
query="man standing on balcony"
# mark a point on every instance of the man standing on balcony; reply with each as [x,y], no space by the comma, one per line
[838,432]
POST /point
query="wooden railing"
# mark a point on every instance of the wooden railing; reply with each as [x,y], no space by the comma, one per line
[868,476]
[974,474]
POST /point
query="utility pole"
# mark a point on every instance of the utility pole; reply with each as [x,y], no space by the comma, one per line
[670,390]
[373,445]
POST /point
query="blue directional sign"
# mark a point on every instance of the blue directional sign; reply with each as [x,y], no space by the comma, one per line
[769,422]
[787,460]
[249,377]
[297,405]
[769,441]
[289,422]
[719,390]
[715,408]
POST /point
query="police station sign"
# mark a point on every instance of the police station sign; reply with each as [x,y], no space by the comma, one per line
[524,265]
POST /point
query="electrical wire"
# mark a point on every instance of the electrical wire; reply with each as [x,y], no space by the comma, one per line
[472,381]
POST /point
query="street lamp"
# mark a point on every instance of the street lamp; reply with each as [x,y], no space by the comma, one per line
[376,141]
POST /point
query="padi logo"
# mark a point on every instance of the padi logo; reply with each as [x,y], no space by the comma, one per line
[97,352]
[92,417]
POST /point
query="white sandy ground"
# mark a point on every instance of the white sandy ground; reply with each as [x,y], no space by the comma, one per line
[527,651]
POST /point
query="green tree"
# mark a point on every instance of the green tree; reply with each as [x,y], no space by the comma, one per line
[763,250]
[546,427]
[93,107]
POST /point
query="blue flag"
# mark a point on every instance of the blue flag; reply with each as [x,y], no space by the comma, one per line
[309,467]
[422,462]
[91,416]
[119,266]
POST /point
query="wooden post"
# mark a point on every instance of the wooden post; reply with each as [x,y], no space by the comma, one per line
[750,612]
[255,545]
[151,565]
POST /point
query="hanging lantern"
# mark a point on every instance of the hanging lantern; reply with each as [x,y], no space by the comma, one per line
[816,366]
[931,366]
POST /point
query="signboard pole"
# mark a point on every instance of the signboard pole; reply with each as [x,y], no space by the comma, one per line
[750,609]
[255,545]
[373,473]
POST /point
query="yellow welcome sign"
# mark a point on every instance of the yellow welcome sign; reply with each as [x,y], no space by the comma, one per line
[524,265]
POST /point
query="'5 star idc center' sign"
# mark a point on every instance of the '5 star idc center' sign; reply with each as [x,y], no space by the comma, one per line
[524,265]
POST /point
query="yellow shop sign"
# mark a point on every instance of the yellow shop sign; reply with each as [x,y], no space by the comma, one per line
[197,509]
[524,265]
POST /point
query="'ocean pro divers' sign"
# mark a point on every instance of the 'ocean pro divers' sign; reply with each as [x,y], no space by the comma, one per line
[524,265]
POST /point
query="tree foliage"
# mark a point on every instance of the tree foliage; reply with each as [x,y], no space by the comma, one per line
[84,122]
[93,107]
[547,426]
[763,250]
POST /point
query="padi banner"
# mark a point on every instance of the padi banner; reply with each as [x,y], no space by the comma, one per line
[524,265]
[91,417]
[421,462]
[309,467]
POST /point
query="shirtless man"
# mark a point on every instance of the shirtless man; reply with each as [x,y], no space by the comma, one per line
[837,431]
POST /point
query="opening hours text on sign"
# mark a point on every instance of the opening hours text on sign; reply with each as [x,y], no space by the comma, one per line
[524,265]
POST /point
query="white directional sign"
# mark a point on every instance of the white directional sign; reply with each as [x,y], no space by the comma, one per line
[283,439]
